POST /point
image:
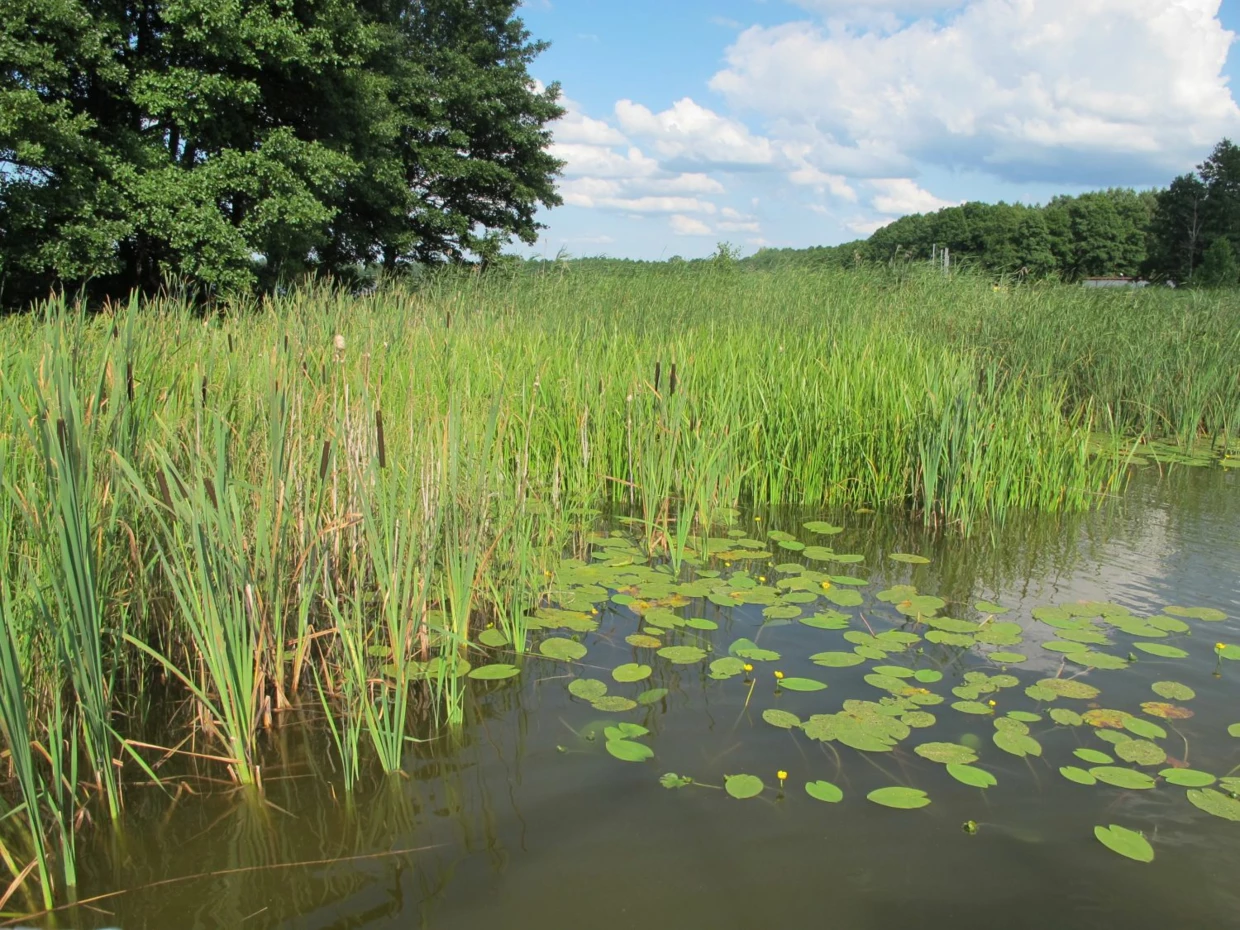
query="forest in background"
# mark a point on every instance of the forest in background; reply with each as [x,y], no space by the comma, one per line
[1187,233]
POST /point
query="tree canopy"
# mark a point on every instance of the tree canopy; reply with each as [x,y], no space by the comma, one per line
[1162,235]
[237,143]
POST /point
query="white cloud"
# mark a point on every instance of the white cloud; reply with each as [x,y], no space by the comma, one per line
[690,183]
[647,204]
[690,132]
[688,226]
[601,162]
[738,226]
[899,196]
[865,227]
[1092,91]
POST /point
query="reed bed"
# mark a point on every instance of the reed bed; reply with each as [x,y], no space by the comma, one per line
[323,501]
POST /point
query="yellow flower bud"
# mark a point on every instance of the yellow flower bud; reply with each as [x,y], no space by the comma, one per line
[781,774]
[779,676]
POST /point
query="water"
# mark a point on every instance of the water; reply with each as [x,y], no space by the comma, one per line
[522,821]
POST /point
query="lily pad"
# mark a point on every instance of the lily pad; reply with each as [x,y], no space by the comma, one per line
[1128,843]
[781,718]
[971,775]
[1066,718]
[1141,752]
[1215,802]
[1096,756]
[908,558]
[824,791]
[928,676]
[836,659]
[973,707]
[946,753]
[989,607]
[1008,658]
[564,650]
[743,787]
[613,704]
[1166,711]
[1187,778]
[843,597]
[822,528]
[1161,650]
[1139,726]
[1173,691]
[629,751]
[644,641]
[630,672]
[1078,775]
[588,689]
[493,637]
[1070,688]
[653,696]
[1208,614]
[899,798]
[1017,744]
[801,684]
[495,672]
[682,655]
[826,620]
[1121,777]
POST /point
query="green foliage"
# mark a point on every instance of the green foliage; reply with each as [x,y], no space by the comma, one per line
[1218,265]
[230,146]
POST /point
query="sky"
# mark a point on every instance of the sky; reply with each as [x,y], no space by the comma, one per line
[812,122]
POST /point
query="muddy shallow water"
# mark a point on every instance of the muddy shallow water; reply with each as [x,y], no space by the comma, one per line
[523,819]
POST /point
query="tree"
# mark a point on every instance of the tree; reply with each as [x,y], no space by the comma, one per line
[1176,238]
[1221,175]
[1218,265]
[237,142]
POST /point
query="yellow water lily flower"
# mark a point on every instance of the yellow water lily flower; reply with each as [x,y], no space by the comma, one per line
[747,667]
[781,775]
[762,577]
[991,703]
[1219,647]
[779,676]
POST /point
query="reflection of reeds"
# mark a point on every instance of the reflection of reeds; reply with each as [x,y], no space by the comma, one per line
[263,536]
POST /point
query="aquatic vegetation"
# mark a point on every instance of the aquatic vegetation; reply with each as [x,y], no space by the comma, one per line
[397,501]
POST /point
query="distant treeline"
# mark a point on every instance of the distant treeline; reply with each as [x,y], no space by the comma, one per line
[1187,233]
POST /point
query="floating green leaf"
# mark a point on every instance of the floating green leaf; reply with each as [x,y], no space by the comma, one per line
[1141,752]
[836,659]
[899,798]
[700,623]
[972,776]
[672,780]
[613,704]
[1215,802]
[928,676]
[1018,744]
[801,684]
[822,528]
[1024,716]
[1095,756]
[1128,843]
[653,696]
[1070,688]
[1187,778]
[494,672]
[588,689]
[946,753]
[742,787]
[824,791]
[1173,691]
[493,637]
[781,718]
[988,607]
[843,597]
[629,751]
[1162,650]
[826,620]
[682,655]
[727,667]
[564,650]
[1067,718]
[630,672]
[1121,777]
[908,558]
[782,612]
[1078,775]
[1008,658]
[643,641]
[973,707]
[1208,614]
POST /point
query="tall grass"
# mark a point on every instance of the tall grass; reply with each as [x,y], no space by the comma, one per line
[344,492]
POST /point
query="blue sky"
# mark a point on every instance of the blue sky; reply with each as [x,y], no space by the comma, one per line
[782,123]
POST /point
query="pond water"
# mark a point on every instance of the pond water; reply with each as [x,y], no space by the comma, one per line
[525,819]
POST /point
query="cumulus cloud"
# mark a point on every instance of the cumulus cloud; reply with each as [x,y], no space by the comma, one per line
[689,132]
[1103,91]
[899,196]
[688,226]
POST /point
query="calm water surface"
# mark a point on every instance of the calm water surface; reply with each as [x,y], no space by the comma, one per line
[531,825]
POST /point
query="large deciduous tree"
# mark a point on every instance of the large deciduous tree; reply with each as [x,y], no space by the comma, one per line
[234,142]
